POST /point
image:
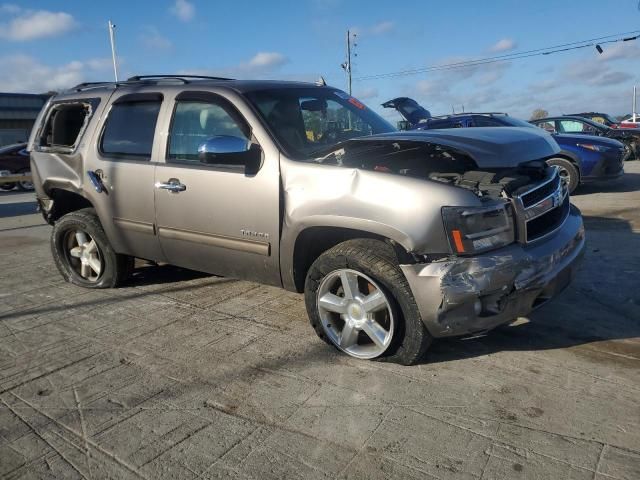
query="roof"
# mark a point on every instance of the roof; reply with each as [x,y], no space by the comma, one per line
[464,114]
[240,86]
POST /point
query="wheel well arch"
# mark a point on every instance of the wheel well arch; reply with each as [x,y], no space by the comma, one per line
[63,202]
[314,241]
[571,157]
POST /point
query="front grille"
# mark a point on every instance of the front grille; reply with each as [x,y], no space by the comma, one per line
[534,196]
[540,226]
[543,209]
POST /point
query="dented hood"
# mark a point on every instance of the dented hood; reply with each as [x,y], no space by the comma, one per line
[490,147]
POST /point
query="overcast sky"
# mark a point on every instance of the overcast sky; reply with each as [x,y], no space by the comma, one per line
[49,45]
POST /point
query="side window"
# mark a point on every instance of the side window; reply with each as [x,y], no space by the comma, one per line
[571,126]
[129,129]
[548,126]
[65,124]
[196,122]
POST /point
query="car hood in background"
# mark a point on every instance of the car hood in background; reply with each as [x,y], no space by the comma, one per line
[410,110]
[490,147]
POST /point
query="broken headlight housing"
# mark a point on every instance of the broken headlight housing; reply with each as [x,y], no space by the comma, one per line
[473,230]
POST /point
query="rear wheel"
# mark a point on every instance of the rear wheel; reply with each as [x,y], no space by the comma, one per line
[83,254]
[568,172]
[26,185]
[358,300]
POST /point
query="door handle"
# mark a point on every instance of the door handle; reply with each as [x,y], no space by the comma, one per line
[173,185]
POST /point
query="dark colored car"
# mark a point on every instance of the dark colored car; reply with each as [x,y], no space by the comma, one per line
[582,159]
[584,126]
[14,159]
[603,118]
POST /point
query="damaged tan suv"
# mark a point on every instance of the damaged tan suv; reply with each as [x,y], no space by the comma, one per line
[394,238]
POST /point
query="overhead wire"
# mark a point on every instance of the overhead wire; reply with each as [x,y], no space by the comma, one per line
[509,56]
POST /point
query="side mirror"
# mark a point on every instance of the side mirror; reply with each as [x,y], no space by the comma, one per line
[231,151]
[221,145]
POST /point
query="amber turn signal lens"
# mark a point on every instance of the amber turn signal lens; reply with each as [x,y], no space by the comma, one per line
[457,238]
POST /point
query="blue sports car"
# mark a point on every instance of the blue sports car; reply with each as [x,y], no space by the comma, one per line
[582,159]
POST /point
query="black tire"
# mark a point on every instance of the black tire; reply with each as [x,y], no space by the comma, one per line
[377,260]
[115,267]
[25,186]
[7,187]
[567,170]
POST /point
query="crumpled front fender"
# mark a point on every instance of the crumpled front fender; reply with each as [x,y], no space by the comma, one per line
[471,294]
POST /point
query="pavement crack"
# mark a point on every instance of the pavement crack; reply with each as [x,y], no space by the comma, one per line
[95,445]
[42,437]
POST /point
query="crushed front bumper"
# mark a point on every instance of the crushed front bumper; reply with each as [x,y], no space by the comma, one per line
[468,295]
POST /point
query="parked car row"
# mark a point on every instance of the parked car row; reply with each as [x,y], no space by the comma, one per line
[14,159]
[589,151]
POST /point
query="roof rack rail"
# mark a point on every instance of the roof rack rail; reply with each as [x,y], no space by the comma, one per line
[137,78]
[141,78]
[86,85]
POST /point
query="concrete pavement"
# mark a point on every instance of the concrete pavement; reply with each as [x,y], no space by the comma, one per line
[184,375]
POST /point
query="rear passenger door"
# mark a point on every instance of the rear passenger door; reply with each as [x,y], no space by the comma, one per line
[125,165]
[222,217]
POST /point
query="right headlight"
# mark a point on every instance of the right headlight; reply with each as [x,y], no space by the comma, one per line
[595,148]
[473,230]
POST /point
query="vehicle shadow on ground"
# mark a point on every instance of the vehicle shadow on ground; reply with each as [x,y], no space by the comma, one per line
[581,315]
[626,183]
[152,274]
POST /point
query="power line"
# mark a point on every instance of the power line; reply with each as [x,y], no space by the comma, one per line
[510,56]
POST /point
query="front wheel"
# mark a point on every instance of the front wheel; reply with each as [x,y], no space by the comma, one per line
[25,185]
[568,172]
[358,300]
[83,254]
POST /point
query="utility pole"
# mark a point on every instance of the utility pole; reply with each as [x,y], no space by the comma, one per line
[346,65]
[634,101]
[112,39]
[349,59]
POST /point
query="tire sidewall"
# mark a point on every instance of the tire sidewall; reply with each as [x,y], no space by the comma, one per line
[89,223]
[21,186]
[402,304]
[574,173]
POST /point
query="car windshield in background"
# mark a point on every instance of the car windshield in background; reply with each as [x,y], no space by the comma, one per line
[516,122]
[307,121]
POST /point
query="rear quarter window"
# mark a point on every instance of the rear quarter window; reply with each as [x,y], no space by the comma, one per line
[65,124]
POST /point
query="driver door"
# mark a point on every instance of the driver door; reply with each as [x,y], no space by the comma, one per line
[221,218]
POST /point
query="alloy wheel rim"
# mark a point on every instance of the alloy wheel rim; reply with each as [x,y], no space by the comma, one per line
[355,313]
[564,174]
[84,255]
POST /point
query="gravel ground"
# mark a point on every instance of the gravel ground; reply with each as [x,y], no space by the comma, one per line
[183,375]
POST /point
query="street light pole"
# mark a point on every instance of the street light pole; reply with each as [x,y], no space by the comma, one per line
[112,39]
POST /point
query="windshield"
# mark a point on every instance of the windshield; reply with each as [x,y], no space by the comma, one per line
[596,125]
[609,120]
[516,122]
[306,121]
